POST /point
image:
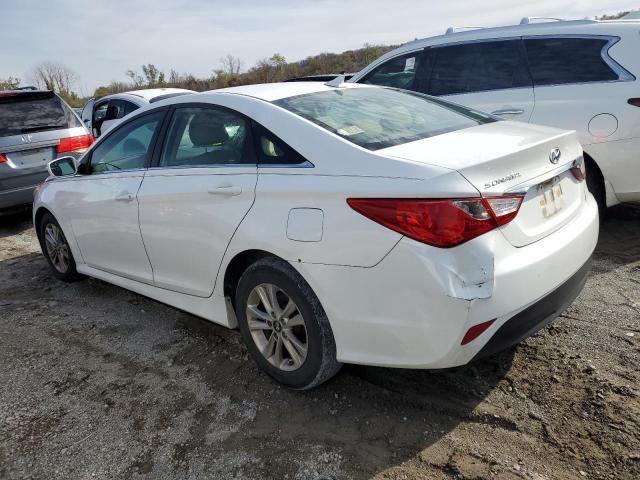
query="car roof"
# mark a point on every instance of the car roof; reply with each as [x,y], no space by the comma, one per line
[147,94]
[529,26]
[526,27]
[276,91]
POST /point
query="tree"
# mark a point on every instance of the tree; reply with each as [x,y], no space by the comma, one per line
[152,74]
[135,77]
[277,60]
[9,83]
[54,76]
[231,65]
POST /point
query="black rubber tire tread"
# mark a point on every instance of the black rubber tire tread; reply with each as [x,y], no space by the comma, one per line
[320,364]
[595,185]
[71,275]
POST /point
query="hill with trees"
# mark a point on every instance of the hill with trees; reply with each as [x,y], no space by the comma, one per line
[230,71]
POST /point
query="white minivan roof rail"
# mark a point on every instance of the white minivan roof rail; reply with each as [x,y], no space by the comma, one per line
[451,30]
[528,20]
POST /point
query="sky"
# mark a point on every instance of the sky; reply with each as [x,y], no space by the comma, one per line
[100,41]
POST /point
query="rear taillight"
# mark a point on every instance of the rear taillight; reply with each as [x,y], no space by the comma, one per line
[3,159]
[442,223]
[74,144]
[634,101]
[579,170]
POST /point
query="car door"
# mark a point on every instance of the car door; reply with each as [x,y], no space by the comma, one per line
[98,115]
[196,194]
[102,203]
[116,110]
[490,76]
[87,114]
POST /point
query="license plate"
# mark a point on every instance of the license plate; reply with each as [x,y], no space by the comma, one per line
[29,158]
[550,195]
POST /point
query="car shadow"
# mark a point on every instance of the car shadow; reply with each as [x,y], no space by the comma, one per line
[15,222]
[619,239]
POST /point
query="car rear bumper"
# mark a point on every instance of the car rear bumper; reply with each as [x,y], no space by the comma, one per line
[413,308]
[536,316]
[16,197]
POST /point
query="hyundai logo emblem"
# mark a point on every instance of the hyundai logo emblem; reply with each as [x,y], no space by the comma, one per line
[554,156]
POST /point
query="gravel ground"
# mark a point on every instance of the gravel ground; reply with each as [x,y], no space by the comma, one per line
[98,382]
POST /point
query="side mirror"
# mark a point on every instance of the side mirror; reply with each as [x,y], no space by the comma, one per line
[62,167]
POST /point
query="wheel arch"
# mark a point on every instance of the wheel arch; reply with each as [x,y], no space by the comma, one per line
[37,218]
[237,266]
[610,198]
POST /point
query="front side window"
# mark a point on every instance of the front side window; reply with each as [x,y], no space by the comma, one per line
[200,136]
[477,67]
[399,72]
[127,147]
[557,61]
[376,118]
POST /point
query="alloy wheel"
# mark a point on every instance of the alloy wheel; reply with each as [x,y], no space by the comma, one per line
[57,247]
[277,327]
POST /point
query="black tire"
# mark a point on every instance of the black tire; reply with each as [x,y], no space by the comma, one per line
[320,363]
[595,184]
[68,274]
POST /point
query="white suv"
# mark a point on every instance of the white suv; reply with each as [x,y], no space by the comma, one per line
[578,75]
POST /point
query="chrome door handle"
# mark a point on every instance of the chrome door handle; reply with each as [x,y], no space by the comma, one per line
[509,111]
[125,197]
[229,190]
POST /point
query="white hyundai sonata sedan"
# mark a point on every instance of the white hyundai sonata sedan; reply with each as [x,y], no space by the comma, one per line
[331,223]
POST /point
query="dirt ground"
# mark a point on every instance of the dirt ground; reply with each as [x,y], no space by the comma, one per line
[98,382]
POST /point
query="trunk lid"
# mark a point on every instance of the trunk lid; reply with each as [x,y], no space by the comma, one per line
[510,157]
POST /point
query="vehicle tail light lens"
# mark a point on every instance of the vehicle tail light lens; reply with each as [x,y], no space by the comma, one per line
[3,159]
[579,170]
[74,144]
[442,223]
[634,101]
[475,331]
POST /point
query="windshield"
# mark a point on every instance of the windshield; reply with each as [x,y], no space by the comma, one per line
[376,118]
[28,112]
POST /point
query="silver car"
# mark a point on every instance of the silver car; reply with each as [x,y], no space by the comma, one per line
[36,126]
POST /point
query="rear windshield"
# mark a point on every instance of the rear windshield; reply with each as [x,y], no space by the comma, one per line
[376,118]
[28,112]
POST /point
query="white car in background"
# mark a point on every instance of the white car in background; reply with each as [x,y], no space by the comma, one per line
[100,114]
[331,223]
[577,75]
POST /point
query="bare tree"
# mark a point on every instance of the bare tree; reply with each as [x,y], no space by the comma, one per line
[9,83]
[231,65]
[135,77]
[55,76]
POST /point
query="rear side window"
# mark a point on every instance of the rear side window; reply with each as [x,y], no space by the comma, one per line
[477,67]
[399,72]
[272,150]
[557,61]
[30,112]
